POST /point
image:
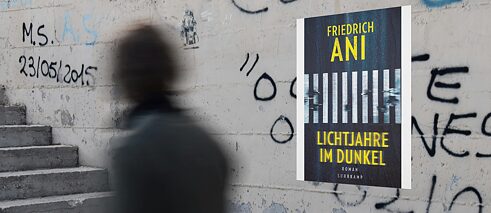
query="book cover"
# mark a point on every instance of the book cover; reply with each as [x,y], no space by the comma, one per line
[354,98]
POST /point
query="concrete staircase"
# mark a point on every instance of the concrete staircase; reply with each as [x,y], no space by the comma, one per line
[38,176]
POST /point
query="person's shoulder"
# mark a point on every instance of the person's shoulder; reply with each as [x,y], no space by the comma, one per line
[161,125]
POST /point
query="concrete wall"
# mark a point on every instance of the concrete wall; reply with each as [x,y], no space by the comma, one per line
[451,164]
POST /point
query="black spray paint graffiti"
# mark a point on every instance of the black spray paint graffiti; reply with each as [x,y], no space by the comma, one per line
[438,84]
[449,129]
[38,67]
[253,65]
[27,32]
[347,203]
[472,190]
[265,78]
[287,1]
[35,67]
[432,190]
[261,10]
[431,149]
[292,88]
[483,126]
[265,9]
[423,57]
[282,119]
[389,205]
[456,196]
[386,204]
[450,126]
[188,30]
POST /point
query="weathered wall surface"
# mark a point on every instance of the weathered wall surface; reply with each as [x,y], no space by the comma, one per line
[238,57]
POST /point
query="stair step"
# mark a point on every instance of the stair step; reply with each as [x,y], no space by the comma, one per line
[99,202]
[12,115]
[38,157]
[52,182]
[24,135]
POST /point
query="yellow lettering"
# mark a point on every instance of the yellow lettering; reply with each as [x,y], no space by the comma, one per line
[362,47]
[371,27]
[346,138]
[351,48]
[325,155]
[366,158]
[349,156]
[338,139]
[329,138]
[349,29]
[356,29]
[385,139]
[336,51]
[376,139]
[358,157]
[367,137]
[374,157]
[382,163]
[340,155]
[358,140]
[352,142]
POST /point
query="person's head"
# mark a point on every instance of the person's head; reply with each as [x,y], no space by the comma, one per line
[145,64]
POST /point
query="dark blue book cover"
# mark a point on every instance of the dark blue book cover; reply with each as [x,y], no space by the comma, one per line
[353,110]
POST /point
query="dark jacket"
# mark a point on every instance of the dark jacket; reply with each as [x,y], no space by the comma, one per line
[167,163]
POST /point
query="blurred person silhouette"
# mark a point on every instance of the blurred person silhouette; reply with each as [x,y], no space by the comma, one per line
[167,162]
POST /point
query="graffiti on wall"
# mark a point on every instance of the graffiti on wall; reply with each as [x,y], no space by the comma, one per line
[433,138]
[189,31]
[439,3]
[258,10]
[264,95]
[74,31]
[433,87]
[32,66]
[391,205]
